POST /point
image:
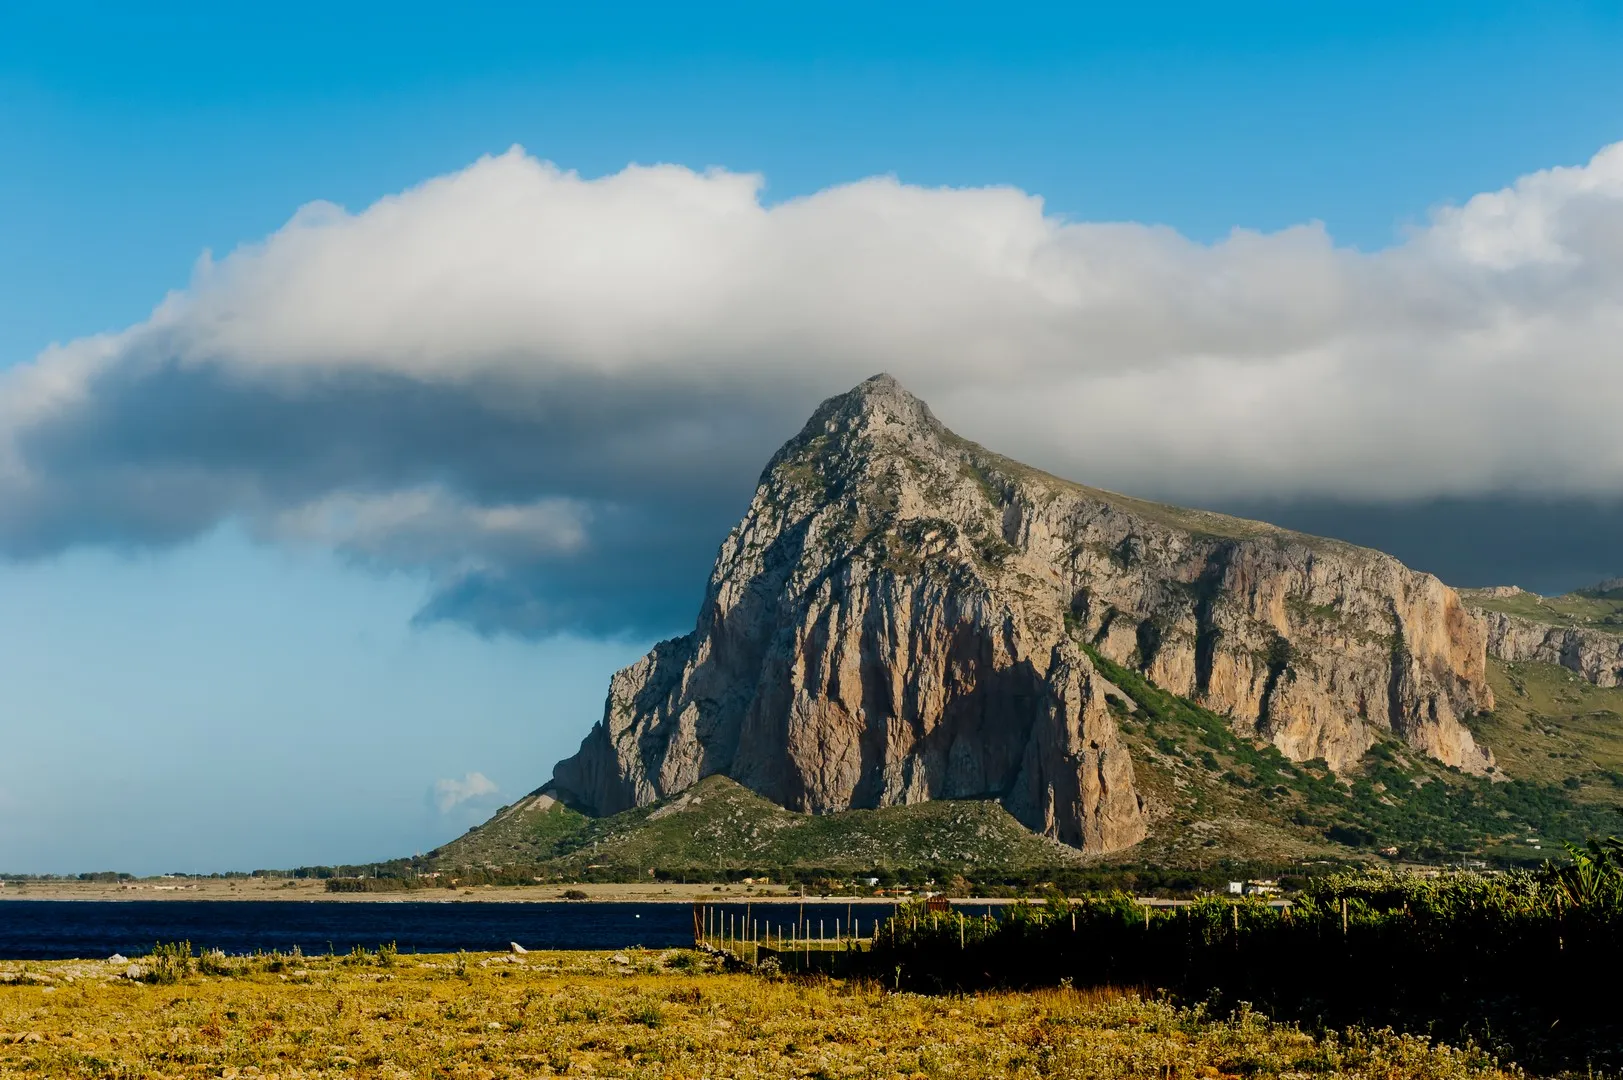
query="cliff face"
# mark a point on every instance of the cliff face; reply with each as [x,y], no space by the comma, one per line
[900,616]
[1593,654]
[1313,645]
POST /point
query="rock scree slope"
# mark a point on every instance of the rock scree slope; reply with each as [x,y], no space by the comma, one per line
[902,615]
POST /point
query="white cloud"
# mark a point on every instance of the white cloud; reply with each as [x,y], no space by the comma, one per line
[512,369]
[449,794]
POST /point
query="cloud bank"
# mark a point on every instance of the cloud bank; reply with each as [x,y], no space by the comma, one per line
[552,394]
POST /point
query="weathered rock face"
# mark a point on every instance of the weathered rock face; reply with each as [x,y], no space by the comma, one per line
[901,616]
[1593,654]
[1314,645]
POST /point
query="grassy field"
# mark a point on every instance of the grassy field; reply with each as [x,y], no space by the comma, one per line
[634,1014]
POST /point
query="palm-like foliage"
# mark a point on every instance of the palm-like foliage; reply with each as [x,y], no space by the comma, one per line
[1594,878]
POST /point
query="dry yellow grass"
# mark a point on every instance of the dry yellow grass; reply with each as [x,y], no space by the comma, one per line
[583,1014]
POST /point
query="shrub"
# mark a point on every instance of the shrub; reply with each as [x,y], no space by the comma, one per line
[169,963]
[1507,958]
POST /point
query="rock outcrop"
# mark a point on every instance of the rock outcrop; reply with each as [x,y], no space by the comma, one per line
[1593,654]
[902,615]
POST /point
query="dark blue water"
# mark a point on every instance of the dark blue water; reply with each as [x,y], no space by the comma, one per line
[92,929]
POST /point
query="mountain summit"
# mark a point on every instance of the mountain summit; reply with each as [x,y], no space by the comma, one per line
[904,616]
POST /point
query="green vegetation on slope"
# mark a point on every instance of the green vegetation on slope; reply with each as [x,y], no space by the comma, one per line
[1552,726]
[718,828]
[1596,608]
[1222,790]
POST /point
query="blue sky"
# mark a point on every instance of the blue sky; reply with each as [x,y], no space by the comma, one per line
[244,683]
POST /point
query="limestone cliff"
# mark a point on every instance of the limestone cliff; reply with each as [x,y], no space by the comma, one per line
[901,616]
[1595,655]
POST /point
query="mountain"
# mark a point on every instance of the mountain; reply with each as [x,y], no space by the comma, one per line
[1214,800]
[903,616]
[1581,631]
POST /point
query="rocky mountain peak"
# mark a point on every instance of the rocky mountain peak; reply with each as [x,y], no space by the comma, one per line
[876,421]
[902,616]
[875,404]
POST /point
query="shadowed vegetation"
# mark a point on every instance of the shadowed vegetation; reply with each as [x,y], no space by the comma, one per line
[1511,961]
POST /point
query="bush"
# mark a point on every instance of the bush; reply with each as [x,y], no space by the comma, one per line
[371,884]
[686,960]
[168,964]
[646,1013]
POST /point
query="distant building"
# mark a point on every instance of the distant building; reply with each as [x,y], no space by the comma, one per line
[1236,887]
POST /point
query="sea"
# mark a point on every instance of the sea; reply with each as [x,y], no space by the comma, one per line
[96,929]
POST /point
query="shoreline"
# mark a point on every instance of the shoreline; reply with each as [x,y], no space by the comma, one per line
[314,892]
[311,890]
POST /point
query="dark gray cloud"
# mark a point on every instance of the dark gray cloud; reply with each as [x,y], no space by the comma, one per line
[552,395]
[590,504]
[1548,546]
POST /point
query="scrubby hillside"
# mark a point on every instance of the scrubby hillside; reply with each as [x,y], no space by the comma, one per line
[718,826]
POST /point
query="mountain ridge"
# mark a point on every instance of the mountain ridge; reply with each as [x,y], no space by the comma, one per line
[902,616]
[1581,631]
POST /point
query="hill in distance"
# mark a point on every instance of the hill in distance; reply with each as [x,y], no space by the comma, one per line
[1599,607]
